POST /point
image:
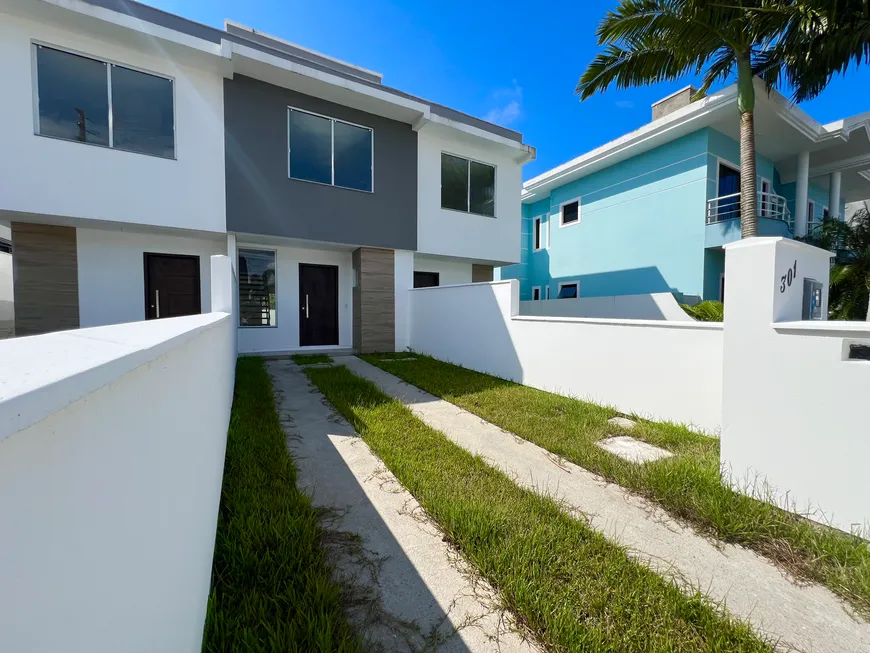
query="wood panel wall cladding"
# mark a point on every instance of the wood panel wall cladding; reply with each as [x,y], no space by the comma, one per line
[45,278]
[374,300]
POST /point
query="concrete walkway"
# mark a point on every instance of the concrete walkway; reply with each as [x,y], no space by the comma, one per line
[803,618]
[411,592]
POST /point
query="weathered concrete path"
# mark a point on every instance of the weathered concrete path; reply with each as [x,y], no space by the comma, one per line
[804,618]
[413,593]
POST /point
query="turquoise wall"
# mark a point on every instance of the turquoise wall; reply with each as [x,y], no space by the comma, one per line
[641,226]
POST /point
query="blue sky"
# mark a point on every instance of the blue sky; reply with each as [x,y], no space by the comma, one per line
[514,63]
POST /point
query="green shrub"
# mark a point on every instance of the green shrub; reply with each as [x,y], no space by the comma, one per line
[706,311]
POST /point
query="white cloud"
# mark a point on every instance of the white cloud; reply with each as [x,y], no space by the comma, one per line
[624,104]
[509,107]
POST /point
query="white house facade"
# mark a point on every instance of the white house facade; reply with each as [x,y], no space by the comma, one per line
[138,144]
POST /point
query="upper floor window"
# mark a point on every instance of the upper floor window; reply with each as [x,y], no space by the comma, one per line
[92,101]
[467,185]
[329,151]
[570,213]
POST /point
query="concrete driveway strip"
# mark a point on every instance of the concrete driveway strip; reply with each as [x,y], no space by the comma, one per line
[411,593]
[807,618]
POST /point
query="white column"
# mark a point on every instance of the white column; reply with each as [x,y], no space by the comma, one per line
[834,194]
[403,284]
[801,194]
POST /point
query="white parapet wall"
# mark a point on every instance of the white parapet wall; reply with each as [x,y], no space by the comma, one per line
[795,406]
[112,443]
[665,370]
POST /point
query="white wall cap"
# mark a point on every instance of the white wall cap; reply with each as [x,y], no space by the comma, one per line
[40,375]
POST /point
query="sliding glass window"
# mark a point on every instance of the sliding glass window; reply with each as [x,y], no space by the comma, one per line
[329,151]
[101,103]
[467,185]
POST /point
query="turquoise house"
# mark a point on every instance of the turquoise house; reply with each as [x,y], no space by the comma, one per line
[650,211]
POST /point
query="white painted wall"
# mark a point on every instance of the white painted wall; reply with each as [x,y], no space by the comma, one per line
[665,370]
[795,420]
[48,176]
[112,270]
[451,271]
[7,305]
[403,281]
[454,233]
[653,306]
[285,336]
[110,477]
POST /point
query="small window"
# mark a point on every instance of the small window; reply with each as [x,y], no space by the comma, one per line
[548,292]
[329,151]
[90,101]
[467,186]
[571,213]
[536,293]
[257,288]
[537,234]
[426,279]
[567,291]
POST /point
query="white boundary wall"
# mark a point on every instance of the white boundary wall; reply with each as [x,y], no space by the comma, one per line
[665,370]
[795,420]
[112,443]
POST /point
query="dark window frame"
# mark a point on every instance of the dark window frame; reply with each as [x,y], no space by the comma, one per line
[436,275]
[109,63]
[570,284]
[567,223]
[256,250]
[333,120]
[470,161]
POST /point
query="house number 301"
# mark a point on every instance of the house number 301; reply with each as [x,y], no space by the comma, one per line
[788,278]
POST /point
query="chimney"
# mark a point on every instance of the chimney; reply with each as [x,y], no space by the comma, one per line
[674,101]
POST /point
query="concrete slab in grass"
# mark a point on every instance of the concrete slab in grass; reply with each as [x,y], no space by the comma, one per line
[632,450]
[413,593]
[801,617]
[622,422]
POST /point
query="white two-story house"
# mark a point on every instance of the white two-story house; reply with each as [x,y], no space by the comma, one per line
[138,143]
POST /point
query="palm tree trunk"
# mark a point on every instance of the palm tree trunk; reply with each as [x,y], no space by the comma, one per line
[748,191]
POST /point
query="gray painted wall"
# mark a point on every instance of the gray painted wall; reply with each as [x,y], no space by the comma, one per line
[261,199]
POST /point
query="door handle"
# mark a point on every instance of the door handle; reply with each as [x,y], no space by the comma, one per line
[306,306]
[157,301]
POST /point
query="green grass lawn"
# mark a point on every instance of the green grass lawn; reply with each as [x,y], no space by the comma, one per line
[271,586]
[567,584]
[310,359]
[688,485]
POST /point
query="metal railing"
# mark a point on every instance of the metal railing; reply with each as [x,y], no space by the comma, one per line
[770,205]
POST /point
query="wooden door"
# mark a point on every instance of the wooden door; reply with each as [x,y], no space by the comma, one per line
[318,305]
[171,286]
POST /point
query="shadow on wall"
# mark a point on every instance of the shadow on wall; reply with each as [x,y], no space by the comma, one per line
[633,281]
[647,306]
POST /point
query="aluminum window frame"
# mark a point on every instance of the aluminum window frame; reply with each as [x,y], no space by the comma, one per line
[536,289]
[255,248]
[537,234]
[332,120]
[35,44]
[468,180]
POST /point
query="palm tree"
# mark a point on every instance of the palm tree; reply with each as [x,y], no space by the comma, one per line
[850,276]
[821,38]
[649,41]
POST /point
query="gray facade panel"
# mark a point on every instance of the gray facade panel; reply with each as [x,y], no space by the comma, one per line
[261,199]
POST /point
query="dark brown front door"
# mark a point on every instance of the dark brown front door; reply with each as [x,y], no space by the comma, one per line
[171,286]
[318,311]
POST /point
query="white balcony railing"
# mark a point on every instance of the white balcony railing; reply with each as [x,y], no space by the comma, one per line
[770,205]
